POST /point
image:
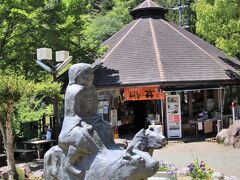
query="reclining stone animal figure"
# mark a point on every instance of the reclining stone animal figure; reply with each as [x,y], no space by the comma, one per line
[133,164]
[105,164]
[146,140]
[86,149]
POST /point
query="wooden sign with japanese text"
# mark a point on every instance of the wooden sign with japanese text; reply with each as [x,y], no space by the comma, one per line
[143,93]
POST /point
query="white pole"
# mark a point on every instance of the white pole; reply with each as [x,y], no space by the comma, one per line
[162,114]
[233,112]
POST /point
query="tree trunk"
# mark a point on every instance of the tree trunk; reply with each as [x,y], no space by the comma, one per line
[56,119]
[3,133]
[9,144]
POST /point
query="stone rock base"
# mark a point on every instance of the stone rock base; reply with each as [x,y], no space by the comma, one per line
[230,136]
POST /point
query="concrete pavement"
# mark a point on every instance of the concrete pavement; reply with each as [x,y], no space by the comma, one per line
[225,159]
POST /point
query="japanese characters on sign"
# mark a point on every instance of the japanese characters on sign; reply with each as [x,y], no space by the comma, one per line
[143,93]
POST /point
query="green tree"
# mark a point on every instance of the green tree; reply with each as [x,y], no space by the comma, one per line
[40,102]
[104,25]
[13,89]
[100,6]
[112,18]
[28,25]
[188,13]
[218,22]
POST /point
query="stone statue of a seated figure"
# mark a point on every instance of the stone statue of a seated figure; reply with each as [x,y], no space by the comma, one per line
[81,118]
[86,149]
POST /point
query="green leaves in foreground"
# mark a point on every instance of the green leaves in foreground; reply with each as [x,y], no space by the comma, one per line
[13,88]
[30,100]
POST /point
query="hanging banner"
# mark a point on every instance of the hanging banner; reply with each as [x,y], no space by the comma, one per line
[143,93]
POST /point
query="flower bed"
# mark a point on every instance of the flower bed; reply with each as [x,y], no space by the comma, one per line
[195,170]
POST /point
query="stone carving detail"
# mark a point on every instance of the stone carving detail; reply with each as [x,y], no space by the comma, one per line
[86,149]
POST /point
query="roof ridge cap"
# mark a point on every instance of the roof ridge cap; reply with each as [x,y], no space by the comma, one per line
[103,43]
[148,1]
[156,48]
[156,4]
[212,57]
[119,42]
[142,4]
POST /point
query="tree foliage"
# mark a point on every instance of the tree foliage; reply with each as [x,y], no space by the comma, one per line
[218,22]
[188,13]
[28,25]
[105,24]
[32,107]
[11,90]
[16,89]
[113,17]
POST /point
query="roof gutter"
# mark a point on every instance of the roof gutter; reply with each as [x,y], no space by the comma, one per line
[173,84]
[189,90]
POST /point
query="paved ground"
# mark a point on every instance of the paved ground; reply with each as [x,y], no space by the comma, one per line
[221,158]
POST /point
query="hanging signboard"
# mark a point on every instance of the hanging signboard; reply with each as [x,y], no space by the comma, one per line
[143,93]
[173,108]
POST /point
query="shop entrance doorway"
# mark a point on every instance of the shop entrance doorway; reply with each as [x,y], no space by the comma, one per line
[140,114]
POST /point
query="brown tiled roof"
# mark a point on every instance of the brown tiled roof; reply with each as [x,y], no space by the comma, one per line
[154,51]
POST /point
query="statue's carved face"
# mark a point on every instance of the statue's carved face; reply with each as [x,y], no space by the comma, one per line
[81,74]
[85,77]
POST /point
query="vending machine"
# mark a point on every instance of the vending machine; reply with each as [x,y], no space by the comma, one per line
[174,123]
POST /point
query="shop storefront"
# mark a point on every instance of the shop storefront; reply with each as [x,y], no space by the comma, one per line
[175,113]
[194,111]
